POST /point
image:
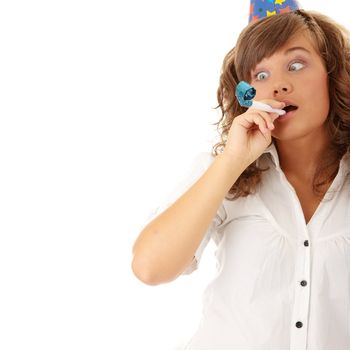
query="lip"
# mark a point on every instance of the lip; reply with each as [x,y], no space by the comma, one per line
[288,115]
[283,118]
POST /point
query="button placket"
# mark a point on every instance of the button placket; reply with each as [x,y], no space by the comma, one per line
[300,313]
[302,295]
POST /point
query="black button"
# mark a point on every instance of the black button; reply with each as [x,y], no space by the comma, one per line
[306,243]
[299,324]
[303,283]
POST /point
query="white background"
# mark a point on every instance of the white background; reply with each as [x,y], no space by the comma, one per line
[103,105]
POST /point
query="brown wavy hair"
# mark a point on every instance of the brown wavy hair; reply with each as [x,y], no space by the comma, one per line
[262,39]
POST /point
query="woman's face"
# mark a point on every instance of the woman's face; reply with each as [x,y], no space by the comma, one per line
[295,74]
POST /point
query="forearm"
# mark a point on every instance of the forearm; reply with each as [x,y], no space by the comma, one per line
[166,246]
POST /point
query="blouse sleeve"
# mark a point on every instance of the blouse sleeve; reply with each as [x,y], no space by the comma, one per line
[199,165]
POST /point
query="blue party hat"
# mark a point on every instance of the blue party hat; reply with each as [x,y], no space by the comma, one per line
[265,8]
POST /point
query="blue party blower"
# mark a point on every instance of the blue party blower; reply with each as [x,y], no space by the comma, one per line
[245,94]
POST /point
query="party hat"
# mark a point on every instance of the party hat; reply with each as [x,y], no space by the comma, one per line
[265,8]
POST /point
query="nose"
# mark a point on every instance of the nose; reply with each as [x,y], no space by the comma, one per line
[282,88]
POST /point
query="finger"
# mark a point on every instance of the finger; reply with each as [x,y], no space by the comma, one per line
[255,117]
[274,116]
[274,103]
[268,118]
[261,122]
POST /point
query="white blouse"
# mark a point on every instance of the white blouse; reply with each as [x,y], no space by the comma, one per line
[281,284]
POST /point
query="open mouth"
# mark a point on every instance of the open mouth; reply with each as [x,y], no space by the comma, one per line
[290,108]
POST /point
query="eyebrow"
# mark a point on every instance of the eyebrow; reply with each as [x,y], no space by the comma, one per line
[296,48]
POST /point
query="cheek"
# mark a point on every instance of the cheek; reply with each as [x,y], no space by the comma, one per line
[318,95]
[322,97]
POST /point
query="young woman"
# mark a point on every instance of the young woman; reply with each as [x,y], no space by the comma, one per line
[274,195]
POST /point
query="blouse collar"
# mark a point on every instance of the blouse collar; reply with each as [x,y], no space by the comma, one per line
[344,165]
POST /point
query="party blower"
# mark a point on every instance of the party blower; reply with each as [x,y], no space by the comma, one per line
[245,94]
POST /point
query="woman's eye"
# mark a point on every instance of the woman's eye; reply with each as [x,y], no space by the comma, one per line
[296,66]
[261,76]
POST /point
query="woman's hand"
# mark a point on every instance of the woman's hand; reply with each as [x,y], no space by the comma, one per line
[250,133]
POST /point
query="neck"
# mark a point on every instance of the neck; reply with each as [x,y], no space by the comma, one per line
[300,157]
